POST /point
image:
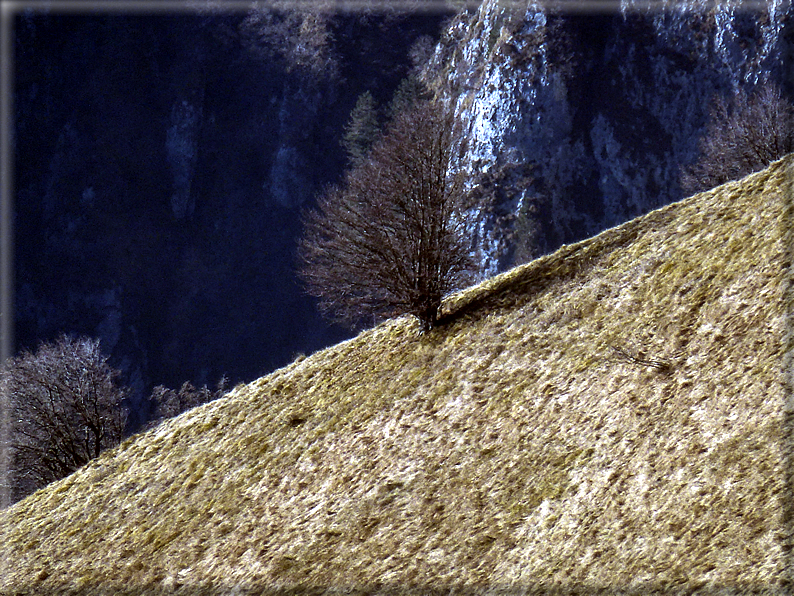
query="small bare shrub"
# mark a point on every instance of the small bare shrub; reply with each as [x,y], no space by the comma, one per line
[168,403]
[742,137]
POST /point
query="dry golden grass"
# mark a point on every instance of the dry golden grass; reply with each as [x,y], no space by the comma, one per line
[609,417]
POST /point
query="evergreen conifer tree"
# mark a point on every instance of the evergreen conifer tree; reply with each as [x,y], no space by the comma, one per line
[361,130]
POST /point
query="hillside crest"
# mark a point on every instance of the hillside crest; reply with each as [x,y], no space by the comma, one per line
[608,417]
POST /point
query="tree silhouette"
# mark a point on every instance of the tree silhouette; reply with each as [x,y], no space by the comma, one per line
[66,407]
[390,240]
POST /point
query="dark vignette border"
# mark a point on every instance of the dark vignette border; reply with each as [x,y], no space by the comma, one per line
[10,8]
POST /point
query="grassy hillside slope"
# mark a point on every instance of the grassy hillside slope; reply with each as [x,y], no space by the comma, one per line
[608,417]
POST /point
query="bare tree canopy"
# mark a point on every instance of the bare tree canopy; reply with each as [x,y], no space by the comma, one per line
[390,240]
[742,137]
[66,407]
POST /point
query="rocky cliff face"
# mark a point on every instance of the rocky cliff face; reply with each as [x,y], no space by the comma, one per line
[576,122]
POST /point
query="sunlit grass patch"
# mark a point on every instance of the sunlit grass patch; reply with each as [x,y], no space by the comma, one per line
[607,415]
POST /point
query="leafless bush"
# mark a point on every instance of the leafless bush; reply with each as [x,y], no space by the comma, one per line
[390,240]
[169,403]
[66,407]
[742,137]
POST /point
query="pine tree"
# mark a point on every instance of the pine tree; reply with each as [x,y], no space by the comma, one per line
[361,130]
[410,91]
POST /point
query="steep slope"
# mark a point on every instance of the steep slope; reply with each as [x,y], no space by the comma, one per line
[231,121]
[578,121]
[610,416]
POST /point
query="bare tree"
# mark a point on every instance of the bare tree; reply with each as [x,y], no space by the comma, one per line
[742,137]
[302,39]
[66,408]
[391,239]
